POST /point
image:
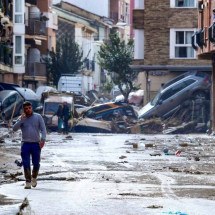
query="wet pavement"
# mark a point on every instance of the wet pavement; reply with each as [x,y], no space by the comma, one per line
[114,174]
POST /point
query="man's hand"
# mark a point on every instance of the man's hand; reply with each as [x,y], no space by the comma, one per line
[23,116]
[42,143]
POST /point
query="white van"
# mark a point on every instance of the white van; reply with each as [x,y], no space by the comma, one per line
[69,83]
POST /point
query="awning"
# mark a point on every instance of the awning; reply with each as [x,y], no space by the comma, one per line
[35,37]
[173,68]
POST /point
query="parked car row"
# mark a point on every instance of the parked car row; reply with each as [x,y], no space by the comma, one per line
[191,85]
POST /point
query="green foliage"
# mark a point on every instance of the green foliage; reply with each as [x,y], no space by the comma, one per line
[66,60]
[108,86]
[115,56]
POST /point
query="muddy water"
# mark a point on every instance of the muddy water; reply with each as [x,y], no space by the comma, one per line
[115,174]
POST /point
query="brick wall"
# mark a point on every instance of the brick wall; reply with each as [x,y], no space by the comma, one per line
[158,19]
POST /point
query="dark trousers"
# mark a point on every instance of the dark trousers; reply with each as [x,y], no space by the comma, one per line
[66,126]
[28,151]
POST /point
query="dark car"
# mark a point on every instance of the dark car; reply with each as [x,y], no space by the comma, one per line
[108,111]
[188,86]
[29,95]
[26,93]
[8,86]
[10,104]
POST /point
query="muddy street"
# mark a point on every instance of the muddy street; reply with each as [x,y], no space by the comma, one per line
[113,174]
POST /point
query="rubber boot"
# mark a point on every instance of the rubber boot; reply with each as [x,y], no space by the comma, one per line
[35,173]
[27,173]
[34,178]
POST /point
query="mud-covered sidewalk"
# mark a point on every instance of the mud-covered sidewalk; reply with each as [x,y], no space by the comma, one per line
[113,174]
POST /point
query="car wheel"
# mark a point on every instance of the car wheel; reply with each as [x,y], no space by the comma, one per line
[200,95]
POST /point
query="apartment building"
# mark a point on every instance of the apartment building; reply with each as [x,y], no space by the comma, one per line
[203,42]
[88,30]
[120,14]
[27,32]
[40,37]
[11,40]
[163,44]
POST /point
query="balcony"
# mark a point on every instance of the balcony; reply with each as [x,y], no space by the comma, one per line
[6,55]
[36,27]
[33,2]
[35,69]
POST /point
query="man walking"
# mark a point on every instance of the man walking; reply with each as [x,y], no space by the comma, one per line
[31,125]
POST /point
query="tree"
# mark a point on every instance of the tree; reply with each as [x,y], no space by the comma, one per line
[116,56]
[66,60]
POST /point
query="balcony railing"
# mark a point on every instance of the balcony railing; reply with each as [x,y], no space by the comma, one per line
[35,69]
[36,27]
[34,2]
[6,55]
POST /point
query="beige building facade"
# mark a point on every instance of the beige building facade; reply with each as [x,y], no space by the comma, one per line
[40,37]
[204,43]
[163,30]
[27,33]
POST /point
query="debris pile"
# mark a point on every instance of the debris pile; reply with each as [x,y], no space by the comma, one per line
[150,126]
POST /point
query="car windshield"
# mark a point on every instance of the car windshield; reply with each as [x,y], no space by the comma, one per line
[52,107]
[173,81]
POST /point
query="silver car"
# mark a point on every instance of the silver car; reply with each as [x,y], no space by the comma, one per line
[10,104]
[187,86]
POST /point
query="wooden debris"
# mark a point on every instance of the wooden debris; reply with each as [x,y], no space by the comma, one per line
[23,206]
[135,145]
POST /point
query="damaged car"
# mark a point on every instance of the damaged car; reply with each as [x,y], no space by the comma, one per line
[191,85]
[50,107]
[109,111]
[10,104]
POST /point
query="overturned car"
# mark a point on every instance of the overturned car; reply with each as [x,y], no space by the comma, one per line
[192,85]
[110,111]
[10,104]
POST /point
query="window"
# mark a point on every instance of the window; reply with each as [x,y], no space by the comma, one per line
[19,11]
[189,82]
[9,101]
[181,44]
[19,41]
[177,88]
[183,3]
[172,91]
